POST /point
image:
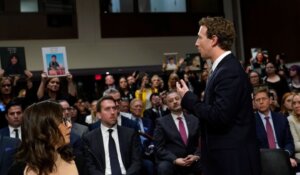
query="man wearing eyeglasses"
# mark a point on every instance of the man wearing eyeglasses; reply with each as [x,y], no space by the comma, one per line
[14,117]
[77,128]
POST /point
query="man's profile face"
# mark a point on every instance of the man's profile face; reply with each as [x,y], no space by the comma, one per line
[203,43]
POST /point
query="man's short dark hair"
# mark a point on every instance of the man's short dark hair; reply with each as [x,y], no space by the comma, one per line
[98,106]
[154,94]
[12,103]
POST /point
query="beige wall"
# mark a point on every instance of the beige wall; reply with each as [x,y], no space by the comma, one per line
[91,51]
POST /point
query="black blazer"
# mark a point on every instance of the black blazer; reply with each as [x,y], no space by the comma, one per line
[168,140]
[228,137]
[129,147]
[282,131]
[151,114]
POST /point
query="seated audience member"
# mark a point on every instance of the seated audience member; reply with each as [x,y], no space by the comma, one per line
[274,81]
[294,120]
[50,88]
[82,110]
[146,134]
[131,82]
[177,140]
[156,84]
[124,90]
[173,78]
[286,104]
[45,145]
[8,147]
[274,100]
[294,81]
[255,79]
[111,149]
[272,129]
[156,111]
[14,117]
[92,118]
[124,106]
[6,95]
[122,119]
[77,128]
[144,90]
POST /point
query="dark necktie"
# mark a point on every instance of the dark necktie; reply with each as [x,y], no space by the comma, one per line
[159,112]
[182,130]
[113,155]
[270,134]
[17,133]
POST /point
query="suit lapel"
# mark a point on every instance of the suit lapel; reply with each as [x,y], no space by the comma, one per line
[100,152]
[261,129]
[122,143]
[276,125]
[173,127]
[189,125]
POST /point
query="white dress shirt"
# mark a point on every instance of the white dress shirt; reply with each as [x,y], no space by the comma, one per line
[177,122]
[219,59]
[12,132]
[105,136]
[262,116]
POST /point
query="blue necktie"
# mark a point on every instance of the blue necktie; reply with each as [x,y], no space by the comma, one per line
[113,155]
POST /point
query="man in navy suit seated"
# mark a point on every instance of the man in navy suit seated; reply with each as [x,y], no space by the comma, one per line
[272,128]
[8,147]
[14,117]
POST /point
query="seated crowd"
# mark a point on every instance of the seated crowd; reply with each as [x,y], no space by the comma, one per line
[136,126]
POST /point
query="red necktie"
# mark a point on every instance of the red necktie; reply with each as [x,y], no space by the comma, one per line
[182,130]
[270,134]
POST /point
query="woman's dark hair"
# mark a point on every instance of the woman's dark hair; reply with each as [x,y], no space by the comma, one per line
[41,136]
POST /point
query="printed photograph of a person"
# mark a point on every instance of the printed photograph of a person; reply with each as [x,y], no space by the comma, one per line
[55,66]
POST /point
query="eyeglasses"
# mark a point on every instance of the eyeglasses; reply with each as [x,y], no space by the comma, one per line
[67,109]
[66,120]
[6,85]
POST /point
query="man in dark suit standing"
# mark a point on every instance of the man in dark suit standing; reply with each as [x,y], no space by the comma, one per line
[272,128]
[112,149]
[228,138]
[177,140]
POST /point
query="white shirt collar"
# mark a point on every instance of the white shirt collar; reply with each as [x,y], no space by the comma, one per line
[219,59]
[104,128]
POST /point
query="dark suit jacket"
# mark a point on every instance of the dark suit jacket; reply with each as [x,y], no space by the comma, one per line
[129,147]
[228,138]
[5,132]
[124,122]
[282,131]
[168,140]
[151,114]
[7,149]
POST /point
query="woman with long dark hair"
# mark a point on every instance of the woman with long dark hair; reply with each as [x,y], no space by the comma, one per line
[45,148]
